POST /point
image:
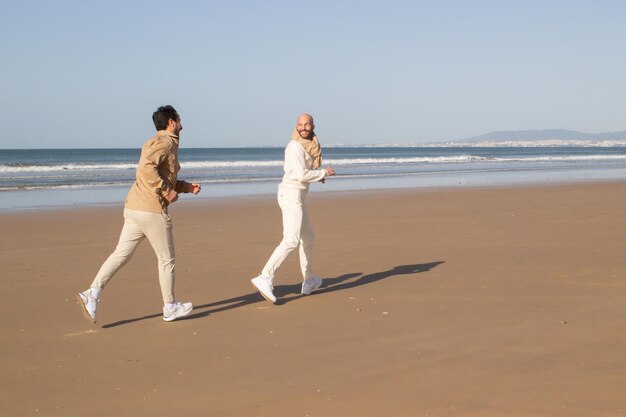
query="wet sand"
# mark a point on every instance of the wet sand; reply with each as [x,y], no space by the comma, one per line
[455,302]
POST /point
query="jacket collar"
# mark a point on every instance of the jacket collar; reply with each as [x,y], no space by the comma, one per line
[168,134]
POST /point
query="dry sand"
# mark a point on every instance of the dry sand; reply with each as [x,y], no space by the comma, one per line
[470,302]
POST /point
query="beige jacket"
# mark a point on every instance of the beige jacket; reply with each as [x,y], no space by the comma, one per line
[156,174]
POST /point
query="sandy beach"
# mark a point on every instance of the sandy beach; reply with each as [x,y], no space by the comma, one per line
[454,302]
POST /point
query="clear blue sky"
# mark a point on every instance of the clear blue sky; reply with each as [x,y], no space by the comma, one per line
[89,73]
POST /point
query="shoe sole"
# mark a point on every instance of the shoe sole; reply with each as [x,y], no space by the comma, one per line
[83,309]
[262,294]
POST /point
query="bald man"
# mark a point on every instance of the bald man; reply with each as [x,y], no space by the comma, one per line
[303,160]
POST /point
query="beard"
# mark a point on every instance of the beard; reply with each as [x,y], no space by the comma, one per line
[305,134]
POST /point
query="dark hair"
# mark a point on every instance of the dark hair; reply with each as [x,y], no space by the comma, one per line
[162,116]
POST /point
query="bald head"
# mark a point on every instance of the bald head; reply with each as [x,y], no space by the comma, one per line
[305,126]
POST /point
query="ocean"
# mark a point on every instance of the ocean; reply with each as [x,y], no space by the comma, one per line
[54,178]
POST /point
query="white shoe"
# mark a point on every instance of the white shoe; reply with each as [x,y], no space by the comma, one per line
[88,304]
[310,285]
[264,285]
[179,310]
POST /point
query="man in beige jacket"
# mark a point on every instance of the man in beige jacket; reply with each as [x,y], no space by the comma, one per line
[146,216]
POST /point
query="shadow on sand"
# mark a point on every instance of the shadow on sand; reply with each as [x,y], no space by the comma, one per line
[288,293]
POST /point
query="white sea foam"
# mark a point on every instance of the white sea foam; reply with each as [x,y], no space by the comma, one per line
[66,167]
[230,164]
[243,164]
[411,160]
[493,144]
[570,158]
[125,184]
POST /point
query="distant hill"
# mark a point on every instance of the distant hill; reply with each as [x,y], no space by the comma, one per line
[547,134]
[547,137]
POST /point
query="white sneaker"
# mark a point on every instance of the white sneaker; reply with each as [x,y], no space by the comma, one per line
[88,304]
[264,285]
[310,285]
[179,310]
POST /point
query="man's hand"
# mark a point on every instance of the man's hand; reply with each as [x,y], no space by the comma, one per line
[171,196]
[329,173]
[193,187]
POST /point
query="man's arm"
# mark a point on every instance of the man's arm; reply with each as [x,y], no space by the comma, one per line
[188,187]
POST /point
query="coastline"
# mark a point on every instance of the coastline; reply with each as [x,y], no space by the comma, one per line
[472,301]
[47,199]
[45,179]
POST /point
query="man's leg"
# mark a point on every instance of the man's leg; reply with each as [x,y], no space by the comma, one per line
[158,230]
[292,211]
[291,206]
[307,240]
[311,282]
[130,237]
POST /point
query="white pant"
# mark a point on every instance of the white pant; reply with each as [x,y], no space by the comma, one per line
[297,231]
[138,225]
